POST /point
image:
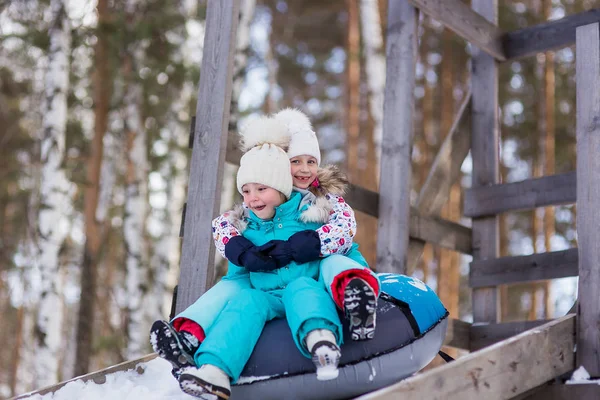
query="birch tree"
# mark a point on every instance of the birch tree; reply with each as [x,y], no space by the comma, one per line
[372,41]
[136,211]
[55,199]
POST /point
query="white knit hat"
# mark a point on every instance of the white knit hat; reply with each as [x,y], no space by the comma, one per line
[304,140]
[265,161]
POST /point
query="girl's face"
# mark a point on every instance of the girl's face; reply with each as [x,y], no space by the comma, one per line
[262,199]
[304,170]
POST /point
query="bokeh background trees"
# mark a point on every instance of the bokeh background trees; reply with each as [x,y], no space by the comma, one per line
[96,100]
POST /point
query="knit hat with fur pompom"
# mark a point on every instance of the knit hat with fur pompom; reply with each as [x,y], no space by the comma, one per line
[265,141]
[304,140]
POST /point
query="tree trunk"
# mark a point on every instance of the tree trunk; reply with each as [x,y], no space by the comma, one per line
[102,94]
[139,278]
[352,89]
[373,50]
[55,200]
[16,356]
[549,156]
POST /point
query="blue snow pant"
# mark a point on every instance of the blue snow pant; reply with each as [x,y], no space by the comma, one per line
[207,308]
[231,339]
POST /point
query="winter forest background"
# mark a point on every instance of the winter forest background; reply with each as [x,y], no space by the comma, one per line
[96,99]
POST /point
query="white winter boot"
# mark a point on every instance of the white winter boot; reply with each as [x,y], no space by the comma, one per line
[325,353]
[207,382]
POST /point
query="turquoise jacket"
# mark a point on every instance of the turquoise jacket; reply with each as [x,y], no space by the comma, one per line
[285,222]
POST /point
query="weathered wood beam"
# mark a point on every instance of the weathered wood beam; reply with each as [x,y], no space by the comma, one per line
[485,145]
[468,24]
[535,267]
[396,161]
[523,195]
[444,172]
[498,372]
[444,233]
[458,334]
[588,195]
[547,36]
[484,335]
[98,377]
[208,153]
[445,169]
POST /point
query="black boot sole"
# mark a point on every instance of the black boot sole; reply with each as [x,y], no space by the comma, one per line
[360,305]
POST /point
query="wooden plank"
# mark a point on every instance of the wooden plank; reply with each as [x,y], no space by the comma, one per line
[396,165]
[208,154]
[588,195]
[444,233]
[98,377]
[523,195]
[484,151]
[459,18]
[498,372]
[547,36]
[458,334]
[445,169]
[444,172]
[484,335]
[583,391]
[535,267]
[363,200]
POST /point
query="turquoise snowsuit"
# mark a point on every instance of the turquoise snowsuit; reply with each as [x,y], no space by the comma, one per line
[233,295]
[292,292]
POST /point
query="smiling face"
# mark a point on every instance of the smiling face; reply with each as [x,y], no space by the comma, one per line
[304,170]
[262,199]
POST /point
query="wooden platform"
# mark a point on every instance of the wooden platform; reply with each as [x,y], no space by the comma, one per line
[501,371]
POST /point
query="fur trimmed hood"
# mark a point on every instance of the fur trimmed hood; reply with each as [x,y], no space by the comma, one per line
[331,181]
[317,211]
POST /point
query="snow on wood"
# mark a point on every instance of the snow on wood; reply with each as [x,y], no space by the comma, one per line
[55,199]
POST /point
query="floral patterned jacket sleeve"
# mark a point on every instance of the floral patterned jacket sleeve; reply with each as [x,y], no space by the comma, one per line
[338,233]
[223,230]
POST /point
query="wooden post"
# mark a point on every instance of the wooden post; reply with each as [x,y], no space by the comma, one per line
[588,196]
[208,155]
[394,199]
[484,150]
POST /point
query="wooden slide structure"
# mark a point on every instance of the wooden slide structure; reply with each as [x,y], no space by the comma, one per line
[515,360]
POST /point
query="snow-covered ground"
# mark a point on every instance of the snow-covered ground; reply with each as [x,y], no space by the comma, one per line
[156,383]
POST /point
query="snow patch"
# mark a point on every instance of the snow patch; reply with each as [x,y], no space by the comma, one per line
[155,383]
[581,376]
[250,379]
[418,284]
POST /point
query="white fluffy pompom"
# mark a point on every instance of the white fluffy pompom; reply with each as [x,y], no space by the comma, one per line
[264,130]
[294,119]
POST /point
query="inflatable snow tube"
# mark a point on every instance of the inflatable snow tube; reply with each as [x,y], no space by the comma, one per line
[411,327]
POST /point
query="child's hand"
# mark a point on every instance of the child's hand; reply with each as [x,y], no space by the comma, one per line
[279,251]
[302,247]
[242,252]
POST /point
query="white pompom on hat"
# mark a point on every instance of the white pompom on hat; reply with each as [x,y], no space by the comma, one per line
[265,162]
[304,139]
